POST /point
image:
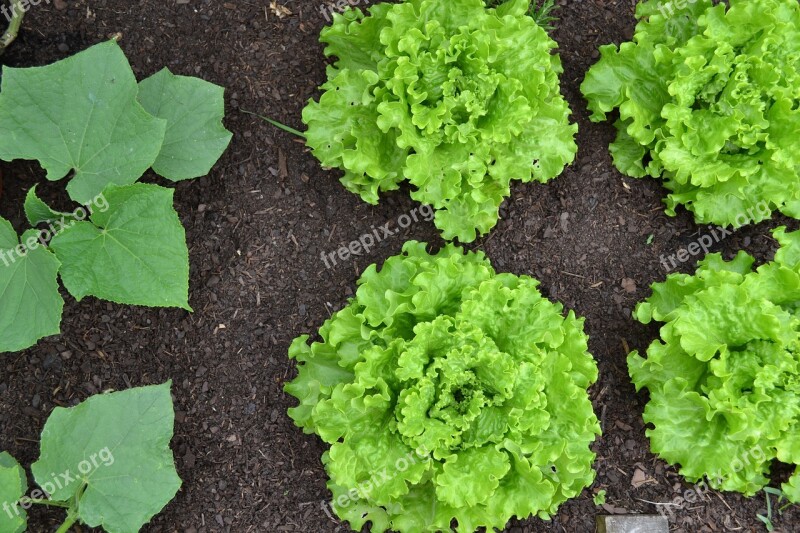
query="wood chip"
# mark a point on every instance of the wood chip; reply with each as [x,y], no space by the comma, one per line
[639,478]
[279,10]
[628,284]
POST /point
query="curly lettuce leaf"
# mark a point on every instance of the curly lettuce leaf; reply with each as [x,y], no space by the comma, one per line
[708,99]
[453,97]
[724,378]
[443,382]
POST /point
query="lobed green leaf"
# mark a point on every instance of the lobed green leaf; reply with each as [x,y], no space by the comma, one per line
[133,252]
[80,115]
[195,137]
[112,453]
[28,290]
[13,484]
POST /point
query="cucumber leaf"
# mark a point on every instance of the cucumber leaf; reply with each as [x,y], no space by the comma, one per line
[13,485]
[80,114]
[28,288]
[37,211]
[133,252]
[193,108]
[115,447]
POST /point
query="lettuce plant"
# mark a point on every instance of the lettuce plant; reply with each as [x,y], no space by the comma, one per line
[709,99]
[106,462]
[724,378]
[86,117]
[447,391]
[455,97]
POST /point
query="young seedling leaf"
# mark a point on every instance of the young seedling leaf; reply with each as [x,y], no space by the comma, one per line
[36,211]
[80,114]
[30,305]
[133,252]
[193,109]
[767,522]
[600,497]
[13,485]
[116,448]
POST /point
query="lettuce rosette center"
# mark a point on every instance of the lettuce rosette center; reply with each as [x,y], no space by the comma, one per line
[720,114]
[445,382]
[455,382]
[450,87]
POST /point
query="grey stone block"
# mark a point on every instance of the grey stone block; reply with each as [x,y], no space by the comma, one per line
[633,523]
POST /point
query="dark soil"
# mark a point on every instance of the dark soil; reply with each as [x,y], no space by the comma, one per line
[256,228]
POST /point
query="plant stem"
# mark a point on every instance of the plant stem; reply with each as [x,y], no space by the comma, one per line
[49,503]
[72,517]
[277,124]
[72,513]
[18,12]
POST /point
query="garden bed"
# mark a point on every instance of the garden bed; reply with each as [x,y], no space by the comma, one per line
[258,227]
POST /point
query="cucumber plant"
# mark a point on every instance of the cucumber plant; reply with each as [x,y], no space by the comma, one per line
[86,117]
[106,461]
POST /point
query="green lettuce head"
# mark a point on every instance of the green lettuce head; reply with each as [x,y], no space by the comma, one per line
[447,391]
[709,99]
[454,97]
[724,379]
